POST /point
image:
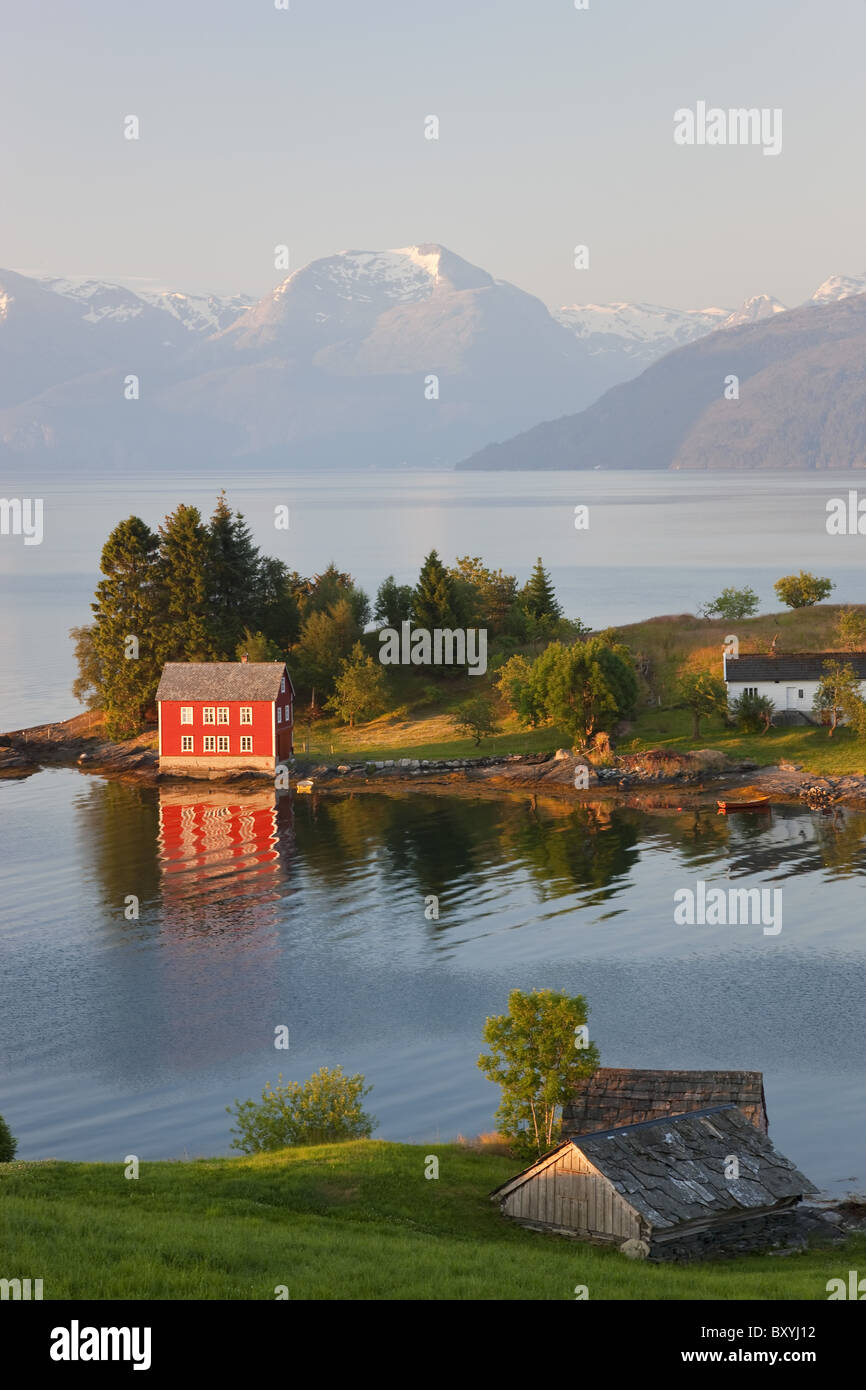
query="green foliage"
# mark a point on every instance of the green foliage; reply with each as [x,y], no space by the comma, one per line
[475,719]
[838,695]
[360,690]
[536,1059]
[331,588]
[393,603]
[327,637]
[126,612]
[753,714]
[732,604]
[434,600]
[584,688]
[184,558]
[278,611]
[87,686]
[8,1144]
[538,596]
[488,598]
[702,693]
[255,646]
[803,590]
[231,578]
[327,1109]
[851,629]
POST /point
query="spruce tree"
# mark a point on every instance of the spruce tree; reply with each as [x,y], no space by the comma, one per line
[184,561]
[233,578]
[434,600]
[539,597]
[393,603]
[279,615]
[123,649]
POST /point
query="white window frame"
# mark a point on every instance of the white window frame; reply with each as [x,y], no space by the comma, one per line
[279,714]
[246,714]
[222,714]
[187,743]
[223,743]
[186,714]
[208,714]
[283,686]
[246,743]
[209,743]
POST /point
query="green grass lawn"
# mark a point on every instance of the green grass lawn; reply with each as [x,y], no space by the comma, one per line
[809,747]
[348,1221]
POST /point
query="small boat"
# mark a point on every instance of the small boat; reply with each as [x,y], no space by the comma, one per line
[754,803]
[305,786]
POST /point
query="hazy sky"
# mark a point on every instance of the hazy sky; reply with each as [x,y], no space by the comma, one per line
[306,127]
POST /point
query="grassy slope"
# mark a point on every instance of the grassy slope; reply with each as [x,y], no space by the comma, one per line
[349,1221]
[663,643]
[809,748]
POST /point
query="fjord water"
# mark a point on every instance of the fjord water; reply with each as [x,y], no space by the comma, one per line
[656,543]
[123,1035]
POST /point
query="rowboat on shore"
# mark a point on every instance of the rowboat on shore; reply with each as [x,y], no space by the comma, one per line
[753,803]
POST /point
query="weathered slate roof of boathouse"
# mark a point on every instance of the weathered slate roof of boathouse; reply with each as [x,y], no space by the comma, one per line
[628,1095]
[673,1170]
[220,680]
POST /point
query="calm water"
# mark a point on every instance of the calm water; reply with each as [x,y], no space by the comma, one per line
[121,1037]
[657,543]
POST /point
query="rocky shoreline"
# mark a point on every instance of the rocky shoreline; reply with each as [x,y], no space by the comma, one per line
[657,778]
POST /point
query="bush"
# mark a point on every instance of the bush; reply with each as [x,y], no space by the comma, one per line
[475,718]
[753,713]
[8,1144]
[324,1110]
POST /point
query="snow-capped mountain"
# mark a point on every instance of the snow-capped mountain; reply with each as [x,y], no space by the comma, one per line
[638,330]
[638,334]
[839,287]
[760,306]
[409,356]
[103,300]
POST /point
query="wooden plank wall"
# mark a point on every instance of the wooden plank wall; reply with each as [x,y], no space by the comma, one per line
[572,1195]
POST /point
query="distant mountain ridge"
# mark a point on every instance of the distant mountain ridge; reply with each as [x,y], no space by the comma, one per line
[408,357]
[785,392]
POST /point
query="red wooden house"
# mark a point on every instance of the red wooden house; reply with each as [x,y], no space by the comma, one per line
[224,716]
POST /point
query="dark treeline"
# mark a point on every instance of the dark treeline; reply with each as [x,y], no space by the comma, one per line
[201,590]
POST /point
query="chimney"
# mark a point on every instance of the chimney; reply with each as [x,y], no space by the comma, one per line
[244,657]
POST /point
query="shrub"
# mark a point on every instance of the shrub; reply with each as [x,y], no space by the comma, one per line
[8,1144]
[475,718]
[324,1110]
[753,713]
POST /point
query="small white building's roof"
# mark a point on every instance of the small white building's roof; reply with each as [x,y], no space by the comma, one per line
[790,666]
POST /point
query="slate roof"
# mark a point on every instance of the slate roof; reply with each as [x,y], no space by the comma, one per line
[672,1171]
[220,680]
[790,666]
[627,1095]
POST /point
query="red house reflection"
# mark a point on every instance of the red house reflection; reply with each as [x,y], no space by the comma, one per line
[216,842]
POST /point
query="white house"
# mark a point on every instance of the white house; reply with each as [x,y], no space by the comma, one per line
[790,679]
